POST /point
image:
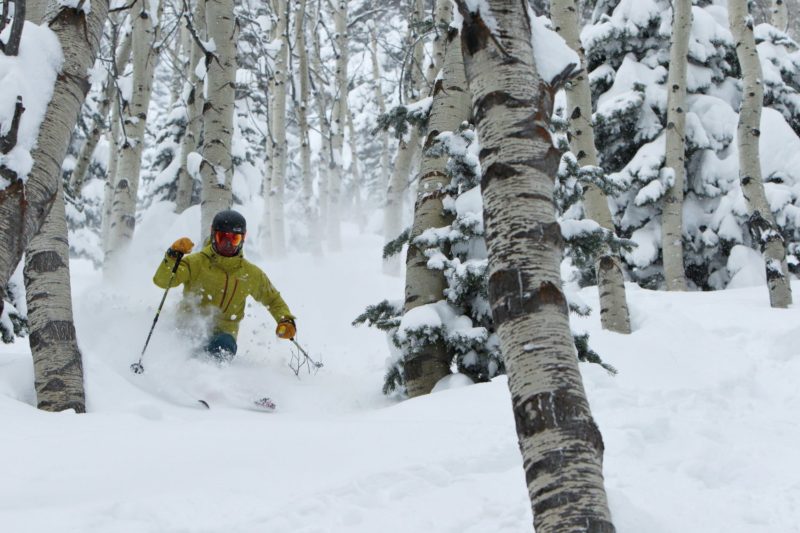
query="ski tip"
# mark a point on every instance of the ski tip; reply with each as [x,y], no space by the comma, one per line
[265,404]
[204,404]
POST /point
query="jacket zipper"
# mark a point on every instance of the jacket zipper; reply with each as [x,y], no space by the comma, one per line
[224,292]
[233,293]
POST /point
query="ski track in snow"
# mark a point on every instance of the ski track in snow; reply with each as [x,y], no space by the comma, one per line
[700,424]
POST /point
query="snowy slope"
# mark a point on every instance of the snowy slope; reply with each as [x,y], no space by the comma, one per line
[700,424]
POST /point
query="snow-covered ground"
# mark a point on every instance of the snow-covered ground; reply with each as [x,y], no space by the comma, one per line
[700,425]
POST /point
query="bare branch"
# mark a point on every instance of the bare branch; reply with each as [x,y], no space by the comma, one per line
[9,140]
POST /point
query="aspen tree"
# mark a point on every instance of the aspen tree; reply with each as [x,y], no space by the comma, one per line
[672,211]
[217,167]
[24,206]
[275,195]
[57,360]
[99,121]
[450,108]
[762,225]
[614,314]
[561,446]
[34,10]
[134,119]
[780,15]
[193,92]
[380,101]
[337,128]
[408,149]
[324,124]
[312,218]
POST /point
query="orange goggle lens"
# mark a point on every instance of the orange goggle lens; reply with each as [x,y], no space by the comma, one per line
[226,238]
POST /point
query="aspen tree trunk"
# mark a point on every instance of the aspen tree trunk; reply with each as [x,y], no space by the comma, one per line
[325,133]
[111,171]
[393,210]
[561,446]
[407,151]
[218,111]
[762,222]
[672,210]
[193,92]
[614,314]
[450,107]
[57,363]
[780,15]
[355,171]
[275,197]
[442,16]
[337,130]
[312,219]
[380,101]
[24,206]
[34,10]
[126,188]
[98,125]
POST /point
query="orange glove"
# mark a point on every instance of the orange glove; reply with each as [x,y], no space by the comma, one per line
[286,329]
[182,246]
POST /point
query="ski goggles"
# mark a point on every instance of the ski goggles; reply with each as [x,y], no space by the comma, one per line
[227,242]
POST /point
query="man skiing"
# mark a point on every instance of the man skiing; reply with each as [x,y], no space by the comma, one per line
[217,281]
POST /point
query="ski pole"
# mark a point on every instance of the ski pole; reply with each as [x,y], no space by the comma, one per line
[300,363]
[137,368]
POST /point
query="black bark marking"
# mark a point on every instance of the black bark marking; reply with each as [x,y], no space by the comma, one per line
[54,385]
[606,264]
[484,104]
[474,32]
[558,410]
[47,261]
[511,296]
[53,331]
[497,171]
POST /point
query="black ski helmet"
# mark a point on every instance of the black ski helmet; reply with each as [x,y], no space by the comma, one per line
[227,233]
[229,220]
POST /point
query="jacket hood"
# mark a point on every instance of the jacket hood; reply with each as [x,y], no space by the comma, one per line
[227,264]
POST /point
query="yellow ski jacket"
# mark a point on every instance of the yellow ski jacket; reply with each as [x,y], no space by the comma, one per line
[218,287]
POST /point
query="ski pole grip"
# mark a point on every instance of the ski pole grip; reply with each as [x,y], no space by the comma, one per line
[178,257]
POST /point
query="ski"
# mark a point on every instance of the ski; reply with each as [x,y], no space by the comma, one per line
[261,404]
[264,404]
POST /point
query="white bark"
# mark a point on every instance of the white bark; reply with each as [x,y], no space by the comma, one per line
[217,167]
[561,445]
[312,220]
[337,129]
[275,196]
[393,209]
[23,207]
[780,15]
[450,107]
[380,101]
[325,133]
[34,10]
[762,221]
[134,117]
[193,92]
[672,209]
[614,314]
[355,171]
[442,16]
[407,151]
[99,125]
[57,363]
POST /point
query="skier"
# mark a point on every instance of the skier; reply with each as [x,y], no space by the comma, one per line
[217,281]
